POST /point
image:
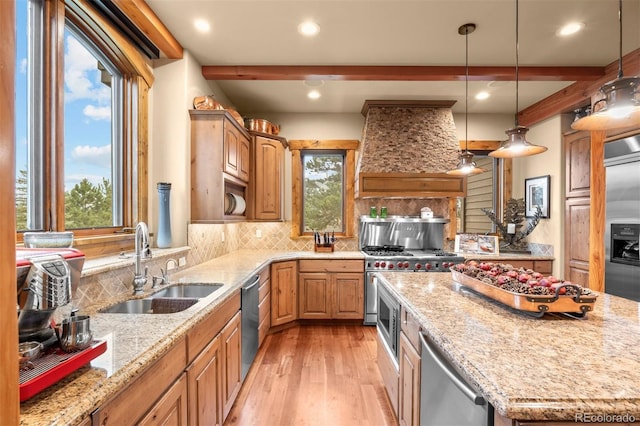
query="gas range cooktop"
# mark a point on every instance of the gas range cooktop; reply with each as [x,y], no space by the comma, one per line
[398,259]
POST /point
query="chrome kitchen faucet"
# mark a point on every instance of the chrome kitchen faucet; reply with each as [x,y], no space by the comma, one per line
[143,251]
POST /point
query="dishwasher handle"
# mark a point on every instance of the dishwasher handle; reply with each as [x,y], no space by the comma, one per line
[464,387]
[250,284]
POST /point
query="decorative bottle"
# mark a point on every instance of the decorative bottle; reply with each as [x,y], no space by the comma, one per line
[163,239]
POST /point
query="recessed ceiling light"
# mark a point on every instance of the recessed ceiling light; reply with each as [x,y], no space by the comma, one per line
[202,25]
[308,28]
[314,94]
[481,96]
[570,28]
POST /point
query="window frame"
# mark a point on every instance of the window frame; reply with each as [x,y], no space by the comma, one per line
[137,78]
[297,147]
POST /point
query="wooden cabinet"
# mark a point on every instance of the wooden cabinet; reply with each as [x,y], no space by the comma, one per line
[231,343]
[577,151]
[331,289]
[264,305]
[205,385]
[172,407]
[543,266]
[409,380]
[284,294]
[152,390]
[389,372]
[236,151]
[219,164]
[267,177]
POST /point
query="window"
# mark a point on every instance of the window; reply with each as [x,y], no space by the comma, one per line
[323,175]
[80,93]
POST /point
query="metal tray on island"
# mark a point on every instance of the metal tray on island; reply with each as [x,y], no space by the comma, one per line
[578,302]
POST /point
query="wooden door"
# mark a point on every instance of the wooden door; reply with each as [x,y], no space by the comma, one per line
[577,150]
[314,295]
[348,295]
[231,143]
[231,341]
[409,388]
[204,377]
[267,178]
[284,297]
[171,410]
[244,157]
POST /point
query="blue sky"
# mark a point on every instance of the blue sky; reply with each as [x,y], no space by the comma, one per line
[87,109]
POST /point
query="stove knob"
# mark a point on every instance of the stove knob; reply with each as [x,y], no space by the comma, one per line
[383,264]
[400,264]
[406,264]
[418,266]
[428,266]
[377,264]
[390,265]
[445,265]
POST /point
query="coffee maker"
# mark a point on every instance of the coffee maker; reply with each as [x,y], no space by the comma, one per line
[46,279]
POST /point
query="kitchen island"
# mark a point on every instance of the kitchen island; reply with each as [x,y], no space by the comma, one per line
[552,368]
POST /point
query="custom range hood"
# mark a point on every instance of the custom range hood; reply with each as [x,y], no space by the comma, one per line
[407,148]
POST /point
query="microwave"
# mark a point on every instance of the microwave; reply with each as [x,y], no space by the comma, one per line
[388,321]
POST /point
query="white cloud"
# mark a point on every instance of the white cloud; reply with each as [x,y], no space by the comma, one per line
[72,180]
[81,75]
[94,155]
[97,112]
[23,66]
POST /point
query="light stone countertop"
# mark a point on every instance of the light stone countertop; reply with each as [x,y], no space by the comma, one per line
[135,341]
[551,368]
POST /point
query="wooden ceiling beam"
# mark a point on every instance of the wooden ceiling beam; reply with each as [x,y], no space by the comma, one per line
[398,73]
[579,94]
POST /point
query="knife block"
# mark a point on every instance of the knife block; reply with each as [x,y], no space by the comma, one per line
[320,248]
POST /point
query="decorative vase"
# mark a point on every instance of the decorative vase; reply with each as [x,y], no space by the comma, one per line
[163,239]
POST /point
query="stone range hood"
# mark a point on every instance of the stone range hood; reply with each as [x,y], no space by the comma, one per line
[407,148]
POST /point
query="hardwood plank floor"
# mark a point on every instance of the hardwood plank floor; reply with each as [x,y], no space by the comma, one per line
[323,375]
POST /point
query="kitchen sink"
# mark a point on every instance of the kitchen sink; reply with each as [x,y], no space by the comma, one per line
[188,290]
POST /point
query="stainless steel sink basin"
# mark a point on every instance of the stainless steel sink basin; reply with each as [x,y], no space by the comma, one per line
[188,290]
[133,306]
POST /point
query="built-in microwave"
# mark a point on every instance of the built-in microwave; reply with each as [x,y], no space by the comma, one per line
[388,320]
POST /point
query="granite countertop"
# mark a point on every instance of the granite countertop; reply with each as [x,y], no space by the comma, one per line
[134,341]
[550,368]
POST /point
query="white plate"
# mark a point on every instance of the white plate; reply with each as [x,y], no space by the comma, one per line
[240,204]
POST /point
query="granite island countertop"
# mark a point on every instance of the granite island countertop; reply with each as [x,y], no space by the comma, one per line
[550,368]
[135,341]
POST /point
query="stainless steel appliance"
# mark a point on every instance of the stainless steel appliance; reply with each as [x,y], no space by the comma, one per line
[249,324]
[446,399]
[401,243]
[622,210]
[388,322]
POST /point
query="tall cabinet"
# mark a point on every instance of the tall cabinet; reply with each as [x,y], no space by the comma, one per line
[577,150]
[267,177]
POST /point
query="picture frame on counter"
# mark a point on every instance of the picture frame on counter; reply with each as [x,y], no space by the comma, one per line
[536,194]
[477,244]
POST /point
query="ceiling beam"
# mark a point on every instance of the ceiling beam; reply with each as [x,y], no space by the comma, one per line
[398,73]
[579,94]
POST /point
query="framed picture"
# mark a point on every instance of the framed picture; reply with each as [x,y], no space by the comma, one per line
[476,244]
[536,194]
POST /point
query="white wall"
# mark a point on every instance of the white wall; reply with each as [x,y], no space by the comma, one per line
[551,162]
[171,98]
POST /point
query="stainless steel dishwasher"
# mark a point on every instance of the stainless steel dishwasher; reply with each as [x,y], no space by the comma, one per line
[249,307]
[446,399]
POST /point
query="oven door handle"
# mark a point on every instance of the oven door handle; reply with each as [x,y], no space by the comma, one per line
[464,387]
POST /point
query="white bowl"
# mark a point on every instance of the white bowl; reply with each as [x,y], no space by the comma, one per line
[48,239]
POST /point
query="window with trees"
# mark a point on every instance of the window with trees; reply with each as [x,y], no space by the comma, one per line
[323,176]
[80,93]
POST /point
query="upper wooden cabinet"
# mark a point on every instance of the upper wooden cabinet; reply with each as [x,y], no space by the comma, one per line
[220,164]
[577,148]
[267,177]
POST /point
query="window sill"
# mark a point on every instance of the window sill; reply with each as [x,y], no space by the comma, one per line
[99,265]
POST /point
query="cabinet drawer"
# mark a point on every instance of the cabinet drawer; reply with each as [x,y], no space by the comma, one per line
[331,265]
[389,373]
[411,329]
[201,334]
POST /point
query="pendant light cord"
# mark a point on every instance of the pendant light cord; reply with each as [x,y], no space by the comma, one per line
[466,92]
[517,60]
[620,38]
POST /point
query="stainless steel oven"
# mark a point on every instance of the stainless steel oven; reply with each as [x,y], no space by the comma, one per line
[388,321]
[622,210]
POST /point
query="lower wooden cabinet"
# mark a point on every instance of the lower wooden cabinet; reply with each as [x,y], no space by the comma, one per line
[231,342]
[204,377]
[284,292]
[409,387]
[314,295]
[327,295]
[171,410]
[389,372]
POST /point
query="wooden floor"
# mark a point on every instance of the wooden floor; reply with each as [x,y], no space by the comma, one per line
[314,375]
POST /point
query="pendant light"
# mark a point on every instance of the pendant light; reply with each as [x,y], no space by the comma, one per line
[517,144]
[621,99]
[466,165]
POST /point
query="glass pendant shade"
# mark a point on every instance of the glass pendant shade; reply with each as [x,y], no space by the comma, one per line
[466,166]
[517,145]
[621,109]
